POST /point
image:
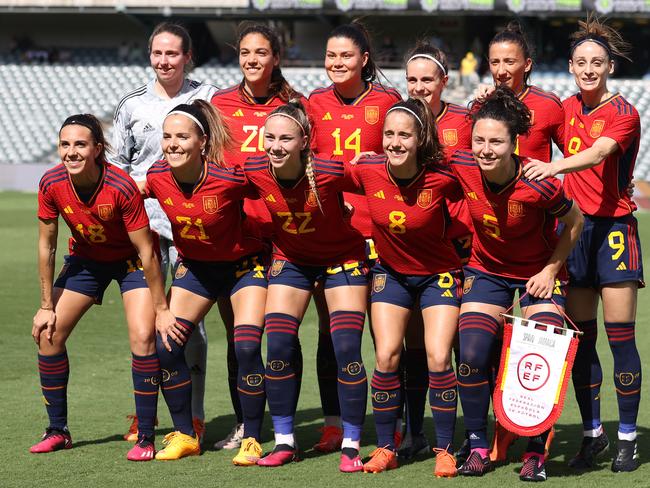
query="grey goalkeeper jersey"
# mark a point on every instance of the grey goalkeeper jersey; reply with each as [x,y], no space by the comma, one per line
[137,135]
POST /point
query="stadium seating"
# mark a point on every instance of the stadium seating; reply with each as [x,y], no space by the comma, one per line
[38,97]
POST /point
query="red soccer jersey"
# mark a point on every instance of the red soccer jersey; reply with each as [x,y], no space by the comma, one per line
[514,232]
[343,131]
[302,233]
[409,221]
[548,124]
[455,132]
[100,227]
[207,223]
[602,189]
[245,118]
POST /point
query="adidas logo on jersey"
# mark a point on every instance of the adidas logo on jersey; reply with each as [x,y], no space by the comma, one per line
[447,294]
[68,210]
[148,128]
[621,267]
[327,116]
[270,198]
[380,194]
[238,113]
[168,201]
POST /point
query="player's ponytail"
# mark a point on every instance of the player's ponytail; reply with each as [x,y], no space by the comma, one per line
[595,30]
[429,150]
[209,122]
[92,123]
[514,33]
[278,86]
[503,105]
[295,110]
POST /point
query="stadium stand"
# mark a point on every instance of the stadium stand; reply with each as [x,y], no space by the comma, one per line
[37,97]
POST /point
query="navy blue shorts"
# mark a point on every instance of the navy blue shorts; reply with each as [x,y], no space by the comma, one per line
[213,280]
[91,278]
[304,277]
[608,251]
[483,287]
[390,286]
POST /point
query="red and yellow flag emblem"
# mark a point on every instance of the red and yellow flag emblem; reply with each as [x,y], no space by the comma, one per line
[210,204]
[515,208]
[425,198]
[450,137]
[310,198]
[105,211]
[371,114]
[597,128]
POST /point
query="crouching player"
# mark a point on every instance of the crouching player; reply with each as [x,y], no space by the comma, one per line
[110,241]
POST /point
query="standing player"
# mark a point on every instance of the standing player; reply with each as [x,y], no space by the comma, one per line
[313,242]
[406,190]
[218,257]
[110,241]
[515,247]
[245,107]
[426,76]
[138,130]
[348,116]
[602,141]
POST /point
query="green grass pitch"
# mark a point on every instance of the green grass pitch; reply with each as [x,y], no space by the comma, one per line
[100,397]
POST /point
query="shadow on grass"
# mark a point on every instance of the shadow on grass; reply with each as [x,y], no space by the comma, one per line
[104,440]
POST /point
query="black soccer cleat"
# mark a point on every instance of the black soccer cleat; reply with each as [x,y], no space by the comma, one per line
[627,457]
[590,449]
[533,469]
[462,454]
[476,465]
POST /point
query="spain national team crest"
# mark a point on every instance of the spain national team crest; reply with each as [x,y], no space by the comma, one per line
[181,271]
[425,198]
[210,204]
[276,267]
[597,128]
[105,211]
[378,282]
[450,137]
[467,284]
[515,208]
[310,198]
[371,114]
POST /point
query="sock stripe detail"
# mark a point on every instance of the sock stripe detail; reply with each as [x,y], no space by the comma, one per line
[179,385]
[478,321]
[248,333]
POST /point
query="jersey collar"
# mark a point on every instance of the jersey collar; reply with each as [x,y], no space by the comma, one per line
[518,174]
[246,97]
[587,111]
[198,185]
[443,112]
[357,100]
[282,187]
[415,179]
[100,183]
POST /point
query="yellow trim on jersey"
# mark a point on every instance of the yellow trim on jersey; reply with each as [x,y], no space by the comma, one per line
[601,104]
[443,112]
[357,100]
[415,178]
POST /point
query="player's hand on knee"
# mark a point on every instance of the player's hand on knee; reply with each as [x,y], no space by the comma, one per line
[44,320]
[169,330]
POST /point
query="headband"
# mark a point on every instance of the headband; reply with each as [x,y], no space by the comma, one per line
[601,41]
[402,107]
[189,116]
[282,114]
[79,120]
[428,56]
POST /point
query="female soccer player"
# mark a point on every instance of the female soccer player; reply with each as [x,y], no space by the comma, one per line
[406,190]
[515,247]
[219,257]
[110,241]
[245,107]
[348,117]
[602,132]
[426,76]
[138,130]
[313,242]
[510,58]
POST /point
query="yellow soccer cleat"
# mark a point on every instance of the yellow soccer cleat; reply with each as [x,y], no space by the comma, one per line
[178,445]
[249,453]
